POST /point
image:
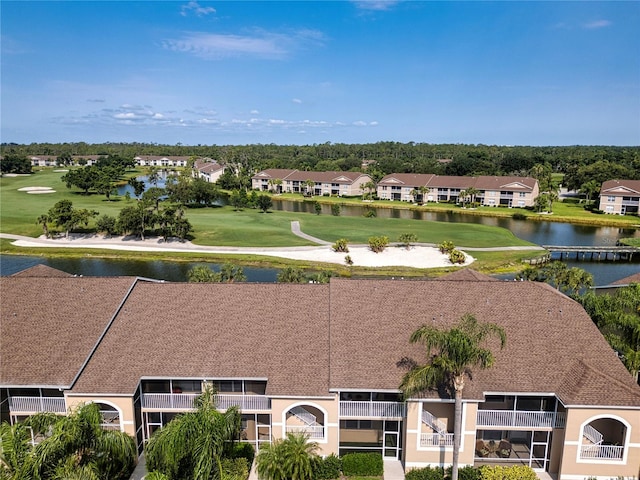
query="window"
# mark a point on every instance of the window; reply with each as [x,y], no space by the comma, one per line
[611,198]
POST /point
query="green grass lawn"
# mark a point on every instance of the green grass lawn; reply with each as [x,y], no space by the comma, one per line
[251,228]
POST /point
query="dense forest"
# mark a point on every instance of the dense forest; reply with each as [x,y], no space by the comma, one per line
[576,162]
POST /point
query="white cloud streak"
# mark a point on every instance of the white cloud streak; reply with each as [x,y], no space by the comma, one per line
[597,24]
[215,46]
[195,7]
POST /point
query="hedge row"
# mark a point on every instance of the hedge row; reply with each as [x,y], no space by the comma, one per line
[517,472]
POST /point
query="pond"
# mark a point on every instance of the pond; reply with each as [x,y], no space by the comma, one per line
[102,267]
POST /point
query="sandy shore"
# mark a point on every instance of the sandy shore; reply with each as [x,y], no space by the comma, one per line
[416,256]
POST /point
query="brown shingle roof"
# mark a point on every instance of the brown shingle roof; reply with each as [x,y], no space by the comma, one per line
[48,326]
[615,186]
[41,270]
[274,331]
[635,278]
[546,333]
[407,179]
[306,340]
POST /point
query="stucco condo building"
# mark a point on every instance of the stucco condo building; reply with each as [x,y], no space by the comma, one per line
[325,359]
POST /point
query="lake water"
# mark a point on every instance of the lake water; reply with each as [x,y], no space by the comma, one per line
[539,232]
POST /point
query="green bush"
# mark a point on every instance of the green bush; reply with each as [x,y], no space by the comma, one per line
[466,473]
[335,209]
[326,468]
[236,468]
[456,256]
[369,464]
[243,450]
[519,216]
[518,472]
[378,244]
[341,245]
[446,247]
[427,473]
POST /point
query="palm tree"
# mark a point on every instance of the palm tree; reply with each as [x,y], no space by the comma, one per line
[74,446]
[193,444]
[288,459]
[451,355]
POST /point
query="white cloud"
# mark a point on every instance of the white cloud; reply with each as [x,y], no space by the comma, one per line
[360,123]
[196,8]
[597,24]
[375,4]
[254,112]
[296,100]
[261,44]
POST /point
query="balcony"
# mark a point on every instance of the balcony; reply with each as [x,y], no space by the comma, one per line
[519,418]
[184,401]
[372,409]
[37,404]
[601,452]
[436,439]
[314,431]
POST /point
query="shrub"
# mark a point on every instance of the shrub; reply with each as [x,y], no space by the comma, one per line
[519,216]
[370,213]
[235,468]
[466,473]
[427,473]
[378,244]
[243,450]
[317,207]
[341,245]
[335,209]
[518,472]
[406,239]
[368,464]
[456,256]
[446,247]
[326,468]
[106,224]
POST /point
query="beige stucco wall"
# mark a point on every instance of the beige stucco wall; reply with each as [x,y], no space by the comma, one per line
[330,408]
[123,404]
[572,467]
[416,456]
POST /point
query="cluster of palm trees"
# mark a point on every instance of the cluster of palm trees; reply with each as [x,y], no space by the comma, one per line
[71,447]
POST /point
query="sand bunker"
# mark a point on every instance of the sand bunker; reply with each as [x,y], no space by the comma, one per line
[16,174]
[61,171]
[34,189]
[37,190]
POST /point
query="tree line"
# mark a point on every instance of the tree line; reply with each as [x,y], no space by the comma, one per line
[384,157]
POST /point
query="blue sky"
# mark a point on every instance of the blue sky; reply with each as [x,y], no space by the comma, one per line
[305,72]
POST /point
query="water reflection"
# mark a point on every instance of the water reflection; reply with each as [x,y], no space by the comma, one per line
[542,233]
[101,267]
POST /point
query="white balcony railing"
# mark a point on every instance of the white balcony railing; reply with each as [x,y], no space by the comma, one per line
[519,418]
[37,404]
[243,402]
[433,422]
[601,452]
[372,409]
[184,401]
[436,439]
[593,435]
[314,431]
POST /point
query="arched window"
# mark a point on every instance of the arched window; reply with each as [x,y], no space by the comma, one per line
[308,419]
[604,438]
[110,416]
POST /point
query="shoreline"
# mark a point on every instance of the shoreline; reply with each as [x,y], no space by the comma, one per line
[419,256]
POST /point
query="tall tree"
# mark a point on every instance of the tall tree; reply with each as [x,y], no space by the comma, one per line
[193,444]
[451,355]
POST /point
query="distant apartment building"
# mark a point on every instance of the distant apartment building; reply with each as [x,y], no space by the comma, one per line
[620,197]
[490,191]
[344,184]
